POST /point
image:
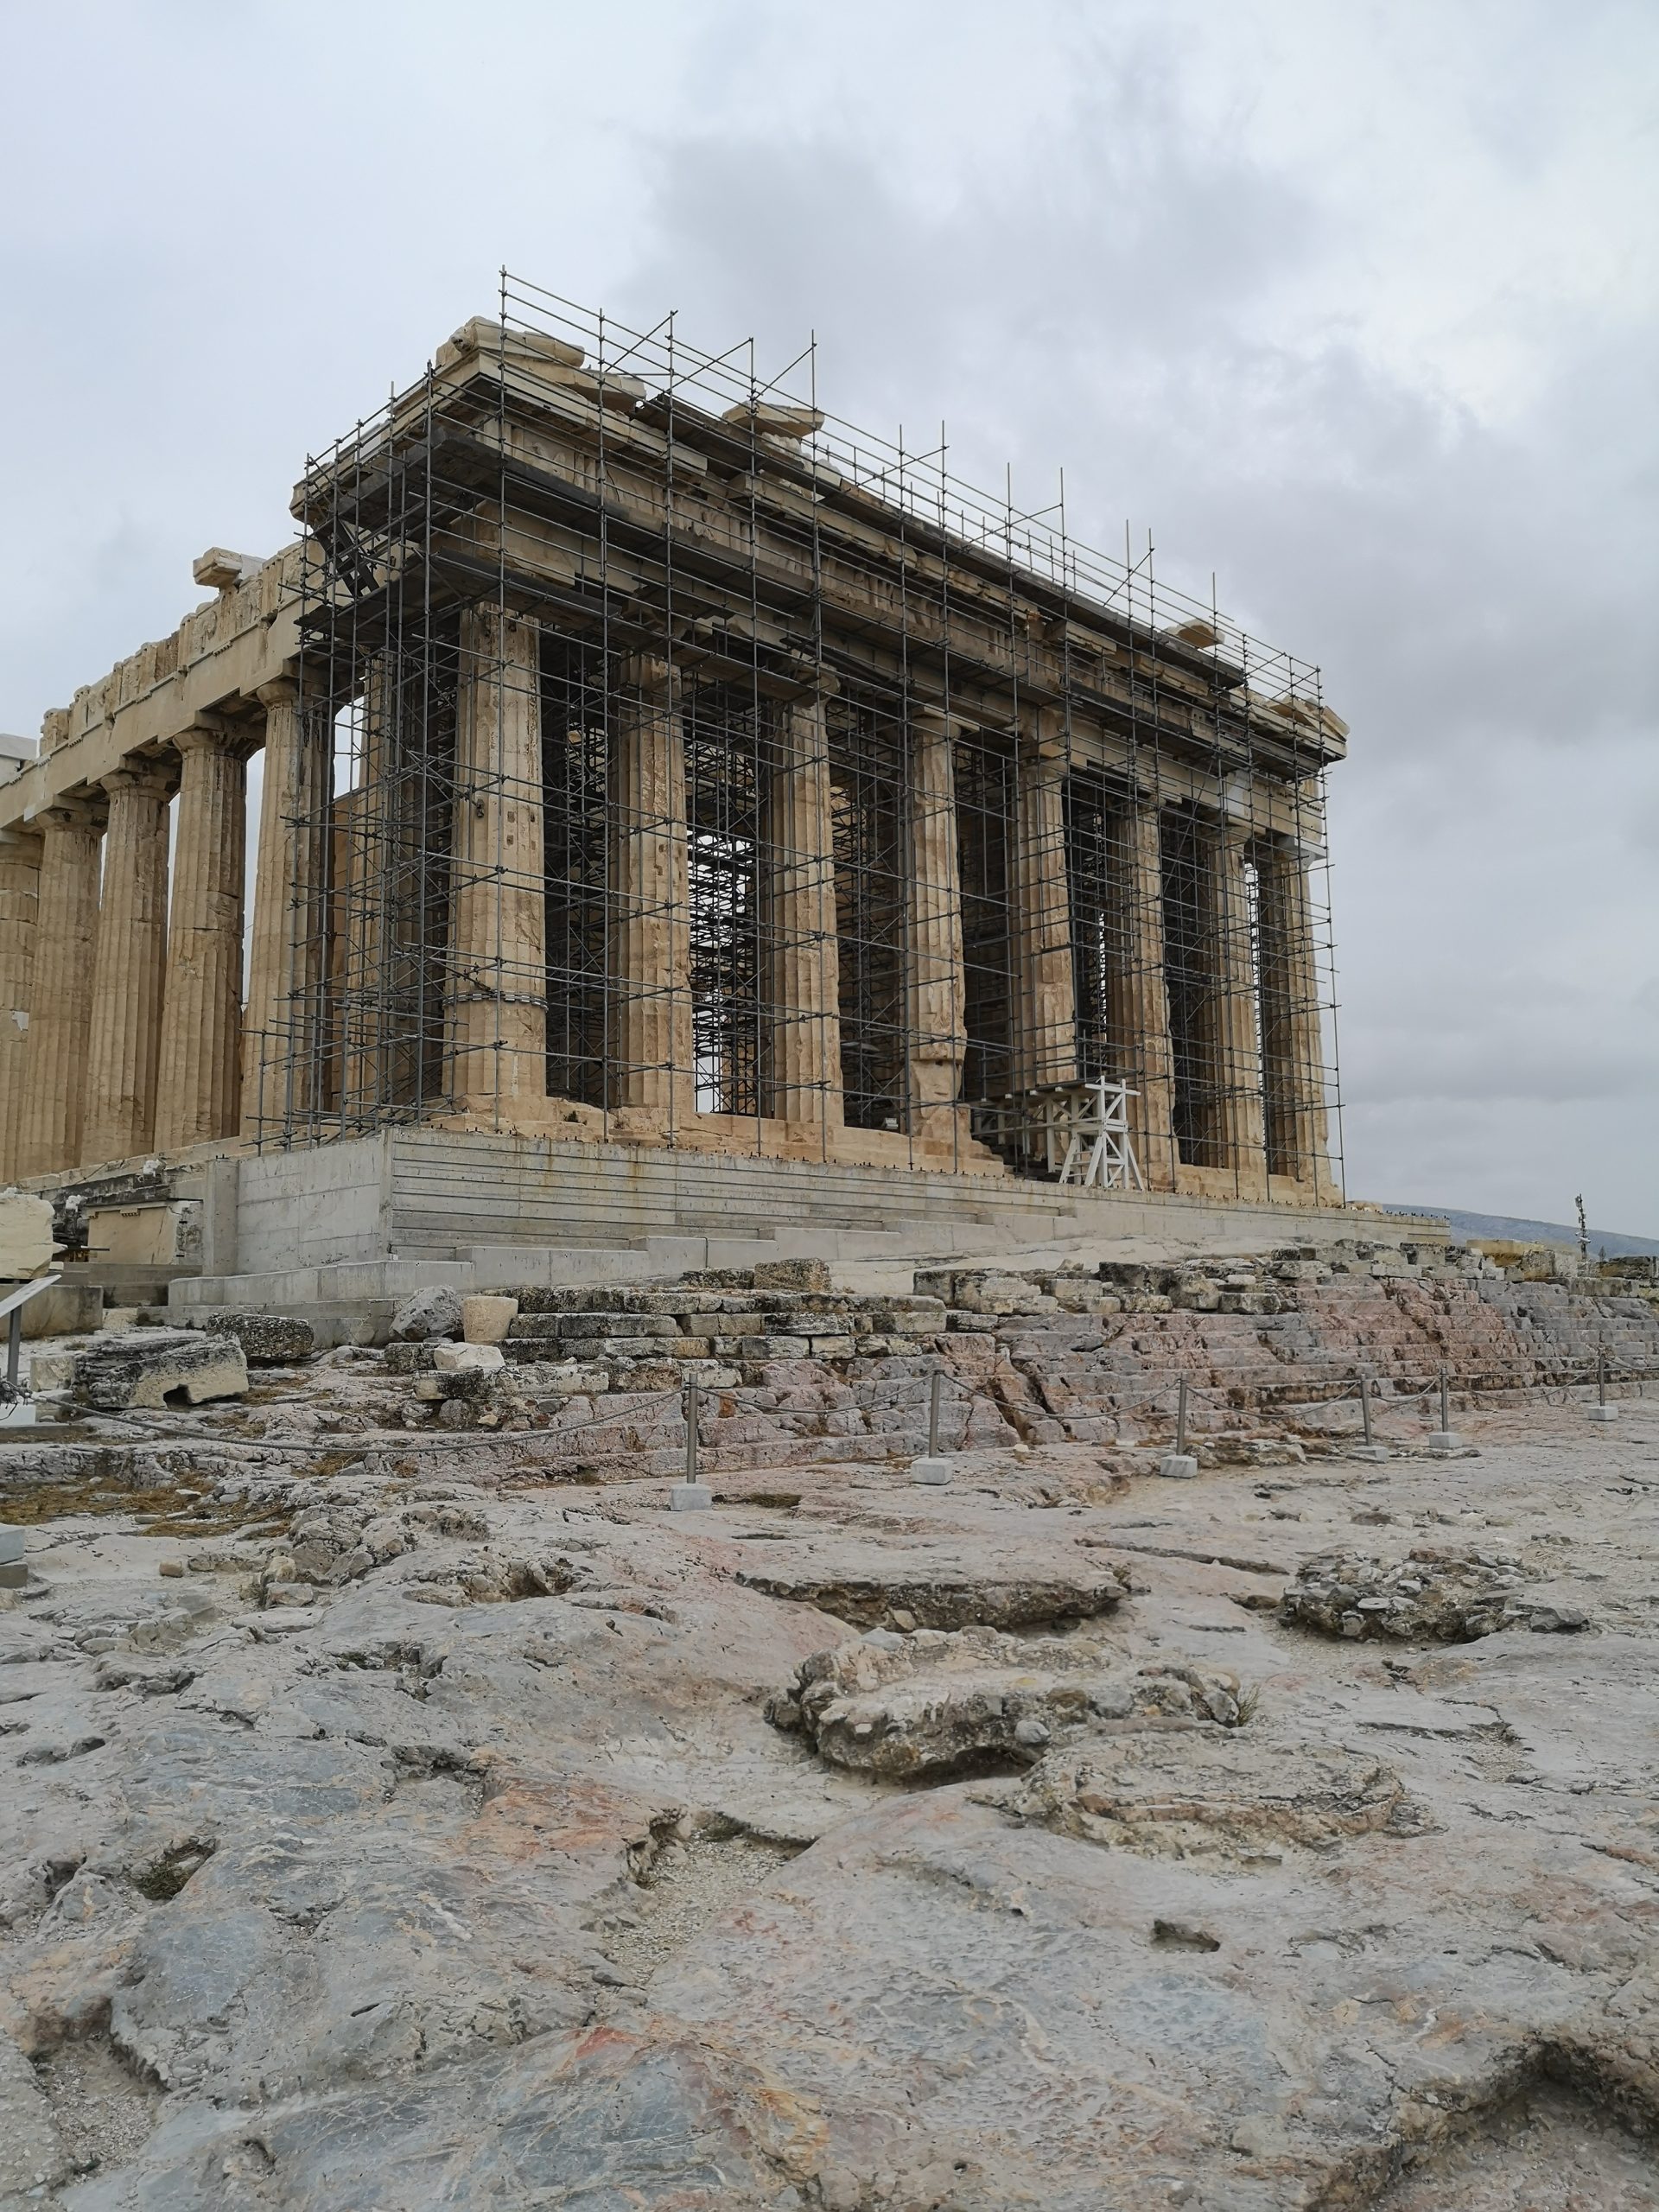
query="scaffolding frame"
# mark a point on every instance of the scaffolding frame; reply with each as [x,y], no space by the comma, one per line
[598,532]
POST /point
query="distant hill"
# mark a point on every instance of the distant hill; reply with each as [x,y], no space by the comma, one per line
[1535,1232]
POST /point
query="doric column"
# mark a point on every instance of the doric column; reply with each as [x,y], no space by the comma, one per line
[1045,1045]
[802,993]
[497,1022]
[20,892]
[196,1096]
[1293,1045]
[126,1026]
[653,1052]
[936,994]
[362,885]
[1240,1122]
[1140,1010]
[285,952]
[55,1077]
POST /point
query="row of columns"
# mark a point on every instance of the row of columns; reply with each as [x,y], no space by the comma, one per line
[121,1029]
[121,1001]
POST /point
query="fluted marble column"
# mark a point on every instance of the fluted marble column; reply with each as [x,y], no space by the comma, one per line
[54,1073]
[196,1086]
[126,1024]
[651,937]
[497,1028]
[1241,1119]
[936,994]
[1140,1011]
[20,893]
[285,949]
[803,1041]
[1293,1045]
[1046,1049]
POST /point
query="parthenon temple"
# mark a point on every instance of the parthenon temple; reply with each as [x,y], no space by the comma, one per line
[654,764]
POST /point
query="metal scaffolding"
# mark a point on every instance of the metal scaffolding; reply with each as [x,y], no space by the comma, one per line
[691,765]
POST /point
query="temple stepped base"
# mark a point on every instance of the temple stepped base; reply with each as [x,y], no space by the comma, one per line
[360,1223]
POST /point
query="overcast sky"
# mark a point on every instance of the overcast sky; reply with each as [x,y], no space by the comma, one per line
[1354,305]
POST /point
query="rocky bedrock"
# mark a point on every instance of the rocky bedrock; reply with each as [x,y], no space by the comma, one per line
[384,1830]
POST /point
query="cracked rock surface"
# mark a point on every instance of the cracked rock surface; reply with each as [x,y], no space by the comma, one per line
[375,1834]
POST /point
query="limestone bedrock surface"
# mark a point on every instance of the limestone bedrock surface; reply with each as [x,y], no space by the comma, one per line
[372,1836]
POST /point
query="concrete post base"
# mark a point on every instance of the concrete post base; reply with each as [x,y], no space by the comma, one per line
[930,1471]
[1602,1413]
[1179,1466]
[1445,1443]
[1373,1454]
[690,1498]
[20,1413]
[14,1564]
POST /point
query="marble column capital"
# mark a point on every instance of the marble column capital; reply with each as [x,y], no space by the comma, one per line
[15,835]
[202,736]
[648,677]
[139,775]
[81,813]
[281,691]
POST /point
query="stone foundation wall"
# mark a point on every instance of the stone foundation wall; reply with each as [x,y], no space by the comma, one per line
[794,1375]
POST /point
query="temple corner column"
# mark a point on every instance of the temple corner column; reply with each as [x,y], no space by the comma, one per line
[54,1069]
[19,893]
[1292,1041]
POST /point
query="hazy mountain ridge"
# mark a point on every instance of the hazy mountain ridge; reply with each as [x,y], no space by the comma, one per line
[1616,1245]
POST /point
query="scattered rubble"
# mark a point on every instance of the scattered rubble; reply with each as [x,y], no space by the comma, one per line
[267,1339]
[1435,1595]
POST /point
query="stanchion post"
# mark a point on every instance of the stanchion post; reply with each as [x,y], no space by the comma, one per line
[933,1467]
[1180,1465]
[1369,1448]
[1446,1440]
[1601,1410]
[691,1496]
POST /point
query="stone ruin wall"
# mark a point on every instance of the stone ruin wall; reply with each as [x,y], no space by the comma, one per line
[595,1382]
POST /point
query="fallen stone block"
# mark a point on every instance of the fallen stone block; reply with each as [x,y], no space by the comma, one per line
[792,1274]
[25,1236]
[426,1313]
[156,1368]
[486,1320]
[267,1339]
[467,1359]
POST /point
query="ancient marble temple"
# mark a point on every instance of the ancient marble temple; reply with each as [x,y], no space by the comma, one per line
[649,759]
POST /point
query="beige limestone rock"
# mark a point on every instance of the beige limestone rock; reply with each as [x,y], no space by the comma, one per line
[467,1359]
[486,1320]
[25,1236]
